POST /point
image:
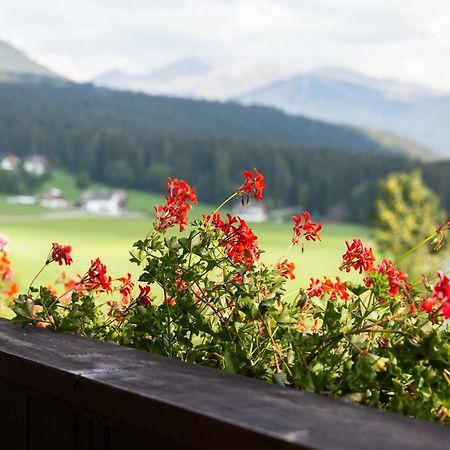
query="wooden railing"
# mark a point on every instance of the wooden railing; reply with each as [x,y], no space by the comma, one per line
[59,391]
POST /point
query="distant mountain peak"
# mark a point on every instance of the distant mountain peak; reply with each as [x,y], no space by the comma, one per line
[14,61]
[184,67]
[342,96]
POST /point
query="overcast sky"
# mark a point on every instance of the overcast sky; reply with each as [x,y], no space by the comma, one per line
[405,39]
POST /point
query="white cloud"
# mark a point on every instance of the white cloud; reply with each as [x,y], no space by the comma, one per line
[394,38]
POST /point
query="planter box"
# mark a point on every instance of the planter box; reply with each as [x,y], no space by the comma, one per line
[59,391]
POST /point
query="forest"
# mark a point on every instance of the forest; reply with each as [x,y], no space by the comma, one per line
[137,141]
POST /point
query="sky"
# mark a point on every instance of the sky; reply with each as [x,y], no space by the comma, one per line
[404,39]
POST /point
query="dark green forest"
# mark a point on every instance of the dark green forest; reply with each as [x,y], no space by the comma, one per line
[135,140]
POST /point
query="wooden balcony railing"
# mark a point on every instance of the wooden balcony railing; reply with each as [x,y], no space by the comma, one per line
[59,391]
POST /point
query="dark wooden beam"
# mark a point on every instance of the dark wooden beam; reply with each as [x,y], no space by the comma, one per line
[109,397]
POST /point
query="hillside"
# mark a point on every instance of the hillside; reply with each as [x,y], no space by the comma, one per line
[89,108]
[344,97]
[137,141]
[13,61]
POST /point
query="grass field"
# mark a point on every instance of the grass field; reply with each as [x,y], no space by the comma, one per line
[32,229]
[112,238]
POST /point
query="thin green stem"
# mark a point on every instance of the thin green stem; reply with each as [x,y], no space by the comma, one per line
[36,277]
[222,205]
[416,247]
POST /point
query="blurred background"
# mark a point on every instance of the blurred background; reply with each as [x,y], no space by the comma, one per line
[343,105]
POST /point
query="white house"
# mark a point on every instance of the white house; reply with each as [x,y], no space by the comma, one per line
[35,165]
[53,199]
[255,211]
[9,162]
[104,202]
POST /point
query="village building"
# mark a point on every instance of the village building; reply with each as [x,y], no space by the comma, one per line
[53,199]
[104,202]
[21,200]
[35,165]
[9,162]
[254,212]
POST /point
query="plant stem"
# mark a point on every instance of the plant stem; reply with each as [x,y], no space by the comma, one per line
[36,276]
[416,247]
[222,205]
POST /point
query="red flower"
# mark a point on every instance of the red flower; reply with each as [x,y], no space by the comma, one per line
[96,278]
[286,268]
[446,310]
[335,290]
[315,288]
[6,273]
[304,228]
[171,301]
[178,200]
[253,185]
[180,283]
[427,305]
[397,279]
[60,254]
[144,298]
[240,243]
[126,287]
[339,290]
[12,291]
[357,257]
[439,301]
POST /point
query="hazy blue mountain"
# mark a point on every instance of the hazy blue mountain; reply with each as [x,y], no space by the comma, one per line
[345,97]
[13,61]
[193,78]
[154,82]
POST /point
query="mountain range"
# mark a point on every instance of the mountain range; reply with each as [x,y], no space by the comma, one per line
[329,94]
[193,78]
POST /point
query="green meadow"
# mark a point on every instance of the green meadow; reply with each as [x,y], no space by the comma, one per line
[110,239]
[31,230]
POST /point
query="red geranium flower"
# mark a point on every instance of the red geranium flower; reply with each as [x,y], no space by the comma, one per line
[286,268]
[6,273]
[12,291]
[96,278]
[439,301]
[315,288]
[60,254]
[178,200]
[126,287]
[335,290]
[397,279]
[240,243]
[254,184]
[357,257]
[304,228]
[144,298]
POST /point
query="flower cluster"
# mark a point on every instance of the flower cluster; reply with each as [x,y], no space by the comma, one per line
[6,272]
[439,300]
[126,287]
[96,278]
[241,244]
[397,280]
[60,254]
[220,306]
[357,257]
[335,289]
[304,228]
[286,269]
[254,184]
[178,203]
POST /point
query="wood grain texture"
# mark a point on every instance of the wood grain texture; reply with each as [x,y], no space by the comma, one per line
[117,395]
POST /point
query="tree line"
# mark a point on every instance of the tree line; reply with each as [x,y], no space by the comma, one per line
[100,142]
